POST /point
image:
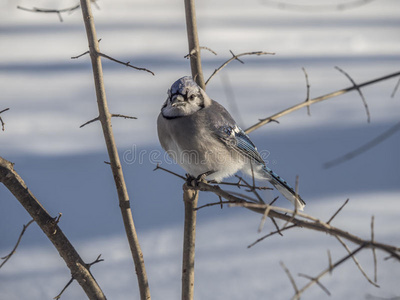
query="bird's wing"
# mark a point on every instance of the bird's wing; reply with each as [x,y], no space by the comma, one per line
[235,138]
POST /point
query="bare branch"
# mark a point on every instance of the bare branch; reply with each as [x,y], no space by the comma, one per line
[326,271]
[72,278]
[395,88]
[14,183]
[372,143]
[168,171]
[359,92]
[316,100]
[235,57]
[194,51]
[127,64]
[336,213]
[1,120]
[373,250]
[116,168]
[308,90]
[54,11]
[8,256]
[64,288]
[290,277]
[356,262]
[91,121]
[317,282]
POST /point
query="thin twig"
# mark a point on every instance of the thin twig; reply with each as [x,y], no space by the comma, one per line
[372,143]
[168,171]
[395,89]
[317,282]
[373,250]
[8,256]
[316,100]
[359,92]
[14,183]
[340,208]
[112,115]
[235,57]
[356,262]
[1,120]
[116,168]
[326,271]
[308,90]
[290,277]
[279,231]
[64,288]
[127,64]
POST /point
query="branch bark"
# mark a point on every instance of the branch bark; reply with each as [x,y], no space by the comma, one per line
[190,196]
[105,119]
[79,269]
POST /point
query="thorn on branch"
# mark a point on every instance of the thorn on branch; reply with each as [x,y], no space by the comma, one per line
[357,87]
[8,256]
[1,120]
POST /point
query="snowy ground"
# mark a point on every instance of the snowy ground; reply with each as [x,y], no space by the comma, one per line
[50,95]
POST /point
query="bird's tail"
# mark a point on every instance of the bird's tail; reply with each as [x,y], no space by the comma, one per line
[284,188]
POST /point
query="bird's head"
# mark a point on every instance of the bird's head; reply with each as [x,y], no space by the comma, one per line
[185,97]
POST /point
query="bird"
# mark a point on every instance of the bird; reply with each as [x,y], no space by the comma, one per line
[203,138]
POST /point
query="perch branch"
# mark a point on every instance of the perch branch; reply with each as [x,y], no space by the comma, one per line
[316,100]
[105,119]
[236,57]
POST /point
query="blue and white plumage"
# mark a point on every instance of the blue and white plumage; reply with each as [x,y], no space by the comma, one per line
[203,138]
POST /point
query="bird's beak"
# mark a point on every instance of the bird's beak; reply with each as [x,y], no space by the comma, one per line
[177,100]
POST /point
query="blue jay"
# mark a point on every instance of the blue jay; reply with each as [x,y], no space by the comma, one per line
[203,138]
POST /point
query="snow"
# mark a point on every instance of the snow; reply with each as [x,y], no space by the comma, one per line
[50,96]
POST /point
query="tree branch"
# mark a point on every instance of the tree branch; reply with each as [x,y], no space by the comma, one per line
[363,148]
[316,100]
[1,120]
[79,270]
[236,57]
[105,119]
[8,256]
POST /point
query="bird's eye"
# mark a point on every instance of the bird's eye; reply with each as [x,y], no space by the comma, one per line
[192,97]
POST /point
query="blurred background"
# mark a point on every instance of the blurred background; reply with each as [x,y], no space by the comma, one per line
[50,95]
